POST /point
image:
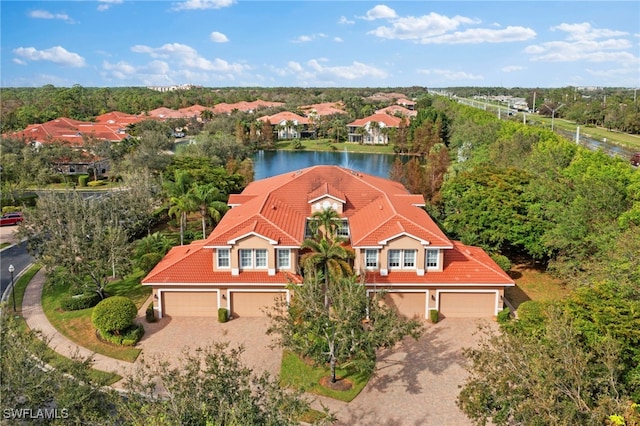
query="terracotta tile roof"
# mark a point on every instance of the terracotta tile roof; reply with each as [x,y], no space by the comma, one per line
[463,266]
[72,132]
[193,110]
[225,108]
[397,109]
[165,113]
[384,119]
[322,109]
[119,118]
[283,117]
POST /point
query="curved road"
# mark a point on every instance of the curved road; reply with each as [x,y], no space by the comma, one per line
[17,256]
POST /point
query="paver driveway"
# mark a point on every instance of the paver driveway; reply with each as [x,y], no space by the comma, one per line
[415,384]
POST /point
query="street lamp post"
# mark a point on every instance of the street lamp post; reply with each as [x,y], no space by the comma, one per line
[13,291]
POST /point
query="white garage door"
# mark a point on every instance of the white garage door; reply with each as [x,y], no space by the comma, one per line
[190,303]
[470,305]
[252,303]
[409,305]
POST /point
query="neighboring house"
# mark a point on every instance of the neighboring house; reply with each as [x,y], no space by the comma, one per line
[323,109]
[244,106]
[120,119]
[398,111]
[164,113]
[79,135]
[71,132]
[407,103]
[194,111]
[254,252]
[373,130]
[289,125]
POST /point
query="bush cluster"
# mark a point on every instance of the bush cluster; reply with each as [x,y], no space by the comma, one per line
[504,315]
[96,183]
[128,337]
[150,313]
[83,179]
[503,261]
[148,261]
[114,315]
[80,301]
[434,315]
[223,315]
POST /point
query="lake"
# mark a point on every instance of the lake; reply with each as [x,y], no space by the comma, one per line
[271,163]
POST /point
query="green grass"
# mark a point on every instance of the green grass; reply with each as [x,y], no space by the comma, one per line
[533,283]
[297,374]
[328,145]
[3,245]
[55,359]
[598,133]
[77,325]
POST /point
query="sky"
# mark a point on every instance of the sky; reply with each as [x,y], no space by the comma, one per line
[296,43]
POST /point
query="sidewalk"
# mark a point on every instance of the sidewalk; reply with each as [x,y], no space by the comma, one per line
[37,320]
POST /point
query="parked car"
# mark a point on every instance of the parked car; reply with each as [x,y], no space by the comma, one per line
[635,159]
[11,218]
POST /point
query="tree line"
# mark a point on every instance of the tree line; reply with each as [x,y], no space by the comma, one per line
[527,193]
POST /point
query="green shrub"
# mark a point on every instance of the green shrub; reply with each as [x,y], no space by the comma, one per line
[223,315]
[11,209]
[96,183]
[504,315]
[80,301]
[114,314]
[128,337]
[434,315]
[148,261]
[82,180]
[150,313]
[503,262]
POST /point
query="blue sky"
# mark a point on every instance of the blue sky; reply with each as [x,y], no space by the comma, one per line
[221,43]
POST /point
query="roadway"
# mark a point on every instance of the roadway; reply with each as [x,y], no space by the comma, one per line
[15,255]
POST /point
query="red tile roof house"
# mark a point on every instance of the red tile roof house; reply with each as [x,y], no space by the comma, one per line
[248,259]
[77,135]
[364,131]
[288,125]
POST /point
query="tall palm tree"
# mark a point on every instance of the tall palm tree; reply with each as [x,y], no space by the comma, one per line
[209,201]
[329,257]
[325,224]
[180,208]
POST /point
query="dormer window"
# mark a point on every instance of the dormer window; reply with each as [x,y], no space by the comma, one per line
[343,228]
[433,259]
[402,259]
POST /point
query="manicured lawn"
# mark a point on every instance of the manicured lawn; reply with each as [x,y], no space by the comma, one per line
[598,133]
[297,374]
[77,326]
[328,145]
[533,283]
[55,360]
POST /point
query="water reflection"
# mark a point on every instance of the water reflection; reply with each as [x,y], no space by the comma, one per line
[271,163]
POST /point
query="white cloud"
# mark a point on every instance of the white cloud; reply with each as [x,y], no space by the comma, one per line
[338,39]
[483,35]
[380,12]
[19,61]
[217,37]
[448,75]
[57,54]
[314,72]
[343,20]
[186,56]
[585,43]
[420,28]
[106,4]
[44,14]
[202,4]
[513,68]
[308,38]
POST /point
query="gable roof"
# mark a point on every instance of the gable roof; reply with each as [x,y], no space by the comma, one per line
[72,132]
[385,120]
[283,117]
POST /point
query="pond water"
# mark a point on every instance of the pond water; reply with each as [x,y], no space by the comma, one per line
[271,163]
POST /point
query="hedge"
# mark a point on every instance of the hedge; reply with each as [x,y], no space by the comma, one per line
[114,314]
[80,301]
[128,337]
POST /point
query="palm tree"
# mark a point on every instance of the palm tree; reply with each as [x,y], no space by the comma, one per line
[180,208]
[209,201]
[326,252]
[329,257]
[326,220]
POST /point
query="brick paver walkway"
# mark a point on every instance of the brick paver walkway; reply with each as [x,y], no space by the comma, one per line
[415,384]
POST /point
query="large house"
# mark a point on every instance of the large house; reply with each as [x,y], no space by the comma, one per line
[249,258]
[373,130]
